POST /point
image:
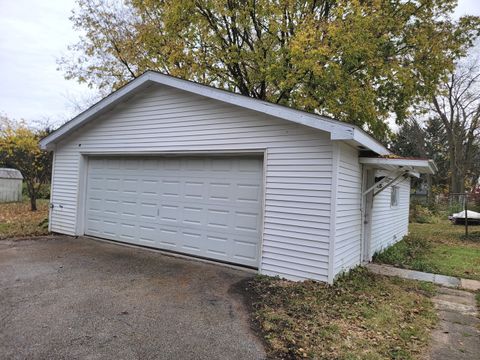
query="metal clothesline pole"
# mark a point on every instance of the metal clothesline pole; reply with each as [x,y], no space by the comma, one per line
[466,214]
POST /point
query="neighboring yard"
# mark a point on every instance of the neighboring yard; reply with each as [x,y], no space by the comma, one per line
[437,248]
[363,316]
[16,219]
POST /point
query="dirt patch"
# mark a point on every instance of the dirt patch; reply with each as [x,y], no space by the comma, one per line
[16,220]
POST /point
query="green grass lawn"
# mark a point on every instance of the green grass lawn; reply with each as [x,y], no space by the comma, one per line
[439,248]
[362,316]
[16,219]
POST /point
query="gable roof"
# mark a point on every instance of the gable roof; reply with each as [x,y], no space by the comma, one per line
[338,130]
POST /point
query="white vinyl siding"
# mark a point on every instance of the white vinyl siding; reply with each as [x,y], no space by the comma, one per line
[64,190]
[348,222]
[390,223]
[298,167]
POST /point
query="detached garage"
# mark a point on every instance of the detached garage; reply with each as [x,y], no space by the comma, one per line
[182,167]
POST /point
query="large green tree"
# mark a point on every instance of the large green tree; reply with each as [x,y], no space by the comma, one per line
[425,138]
[361,61]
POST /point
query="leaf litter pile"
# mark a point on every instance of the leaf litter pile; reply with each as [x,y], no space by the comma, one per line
[16,219]
[362,316]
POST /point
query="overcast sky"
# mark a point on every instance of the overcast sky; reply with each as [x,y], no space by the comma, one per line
[33,34]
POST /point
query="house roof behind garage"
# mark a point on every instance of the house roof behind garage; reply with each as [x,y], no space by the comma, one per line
[338,130]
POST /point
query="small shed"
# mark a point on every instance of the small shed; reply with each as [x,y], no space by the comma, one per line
[10,185]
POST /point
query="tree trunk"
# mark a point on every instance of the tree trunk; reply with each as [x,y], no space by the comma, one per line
[457,171]
[430,199]
[33,203]
[452,165]
[457,184]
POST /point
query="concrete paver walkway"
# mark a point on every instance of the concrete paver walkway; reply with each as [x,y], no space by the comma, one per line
[457,336]
[442,280]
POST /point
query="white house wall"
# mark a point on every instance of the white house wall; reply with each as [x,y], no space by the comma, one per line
[389,224]
[298,164]
[348,222]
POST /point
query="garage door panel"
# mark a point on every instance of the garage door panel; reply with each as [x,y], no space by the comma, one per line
[220,191]
[245,251]
[193,215]
[127,232]
[221,165]
[95,202]
[194,190]
[167,237]
[170,187]
[209,207]
[93,226]
[147,232]
[149,185]
[218,245]
[147,211]
[248,192]
[219,219]
[245,221]
[250,166]
[192,241]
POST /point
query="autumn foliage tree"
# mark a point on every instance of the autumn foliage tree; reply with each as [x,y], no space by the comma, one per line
[361,61]
[19,149]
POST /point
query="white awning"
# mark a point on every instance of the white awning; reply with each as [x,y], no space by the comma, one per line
[419,166]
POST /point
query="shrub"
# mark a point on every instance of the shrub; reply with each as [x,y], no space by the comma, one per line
[409,249]
[423,215]
[43,192]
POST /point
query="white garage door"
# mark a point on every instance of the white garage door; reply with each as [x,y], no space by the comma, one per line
[207,207]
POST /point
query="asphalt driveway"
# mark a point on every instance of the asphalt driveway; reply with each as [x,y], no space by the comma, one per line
[80,298]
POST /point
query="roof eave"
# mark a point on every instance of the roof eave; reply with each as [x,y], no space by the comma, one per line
[337,129]
[369,142]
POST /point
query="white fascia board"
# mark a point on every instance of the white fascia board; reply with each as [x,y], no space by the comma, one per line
[369,142]
[337,129]
[423,166]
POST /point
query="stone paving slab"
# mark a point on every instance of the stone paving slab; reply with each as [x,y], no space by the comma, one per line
[457,336]
[472,285]
[442,280]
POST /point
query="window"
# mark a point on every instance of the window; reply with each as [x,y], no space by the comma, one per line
[394,196]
